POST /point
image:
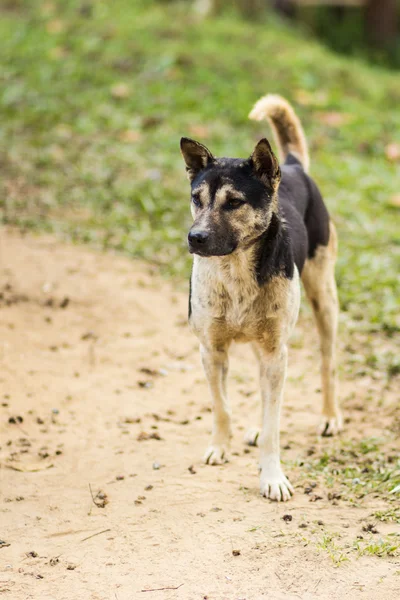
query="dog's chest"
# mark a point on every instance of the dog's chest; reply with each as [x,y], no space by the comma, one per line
[233,301]
[227,299]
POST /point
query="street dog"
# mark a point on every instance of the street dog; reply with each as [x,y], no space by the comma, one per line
[258,227]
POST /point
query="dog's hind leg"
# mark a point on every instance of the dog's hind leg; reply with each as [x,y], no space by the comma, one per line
[318,277]
[215,363]
[273,483]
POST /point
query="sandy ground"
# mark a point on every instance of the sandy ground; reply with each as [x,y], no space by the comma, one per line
[102,382]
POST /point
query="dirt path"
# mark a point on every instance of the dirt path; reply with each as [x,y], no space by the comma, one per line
[77,329]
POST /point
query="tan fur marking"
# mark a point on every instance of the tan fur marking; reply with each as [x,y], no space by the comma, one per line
[203,191]
[220,195]
[319,281]
[286,126]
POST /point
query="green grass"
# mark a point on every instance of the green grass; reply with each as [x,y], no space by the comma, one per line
[354,471]
[340,550]
[99,163]
[328,544]
[389,546]
[391,515]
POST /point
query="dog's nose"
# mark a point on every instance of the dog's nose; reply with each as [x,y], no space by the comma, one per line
[197,238]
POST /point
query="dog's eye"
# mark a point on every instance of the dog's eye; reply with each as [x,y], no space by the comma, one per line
[196,201]
[234,203]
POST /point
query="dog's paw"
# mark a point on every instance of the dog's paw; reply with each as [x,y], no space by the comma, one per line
[276,487]
[216,455]
[330,426]
[251,436]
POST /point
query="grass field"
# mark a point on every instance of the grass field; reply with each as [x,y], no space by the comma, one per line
[95,96]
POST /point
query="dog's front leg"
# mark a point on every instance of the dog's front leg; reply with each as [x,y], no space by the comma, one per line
[274,484]
[215,363]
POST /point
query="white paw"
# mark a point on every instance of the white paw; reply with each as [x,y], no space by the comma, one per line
[251,437]
[215,455]
[276,486]
[330,426]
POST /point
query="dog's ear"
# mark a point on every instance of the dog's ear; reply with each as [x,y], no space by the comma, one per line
[265,164]
[196,157]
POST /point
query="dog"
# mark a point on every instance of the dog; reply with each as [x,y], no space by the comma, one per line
[258,228]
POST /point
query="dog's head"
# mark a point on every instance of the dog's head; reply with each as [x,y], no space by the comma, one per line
[232,199]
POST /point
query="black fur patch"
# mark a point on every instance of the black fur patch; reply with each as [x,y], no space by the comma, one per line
[306,225]
[190,297]
[296,231]
[237,171]
[316,219]
[299,191]
[274,253]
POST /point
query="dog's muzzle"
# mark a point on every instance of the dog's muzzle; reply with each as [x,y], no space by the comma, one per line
[203,243]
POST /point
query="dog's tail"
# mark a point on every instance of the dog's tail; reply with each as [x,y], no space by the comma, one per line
[288,132]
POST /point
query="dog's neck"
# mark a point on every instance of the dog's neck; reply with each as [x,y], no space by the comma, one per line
[238,268]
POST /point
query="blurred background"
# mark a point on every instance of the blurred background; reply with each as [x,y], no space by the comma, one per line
[366,28]
[368,25]
[95,96]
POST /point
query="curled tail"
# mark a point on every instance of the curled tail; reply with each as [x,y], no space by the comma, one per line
[288,132]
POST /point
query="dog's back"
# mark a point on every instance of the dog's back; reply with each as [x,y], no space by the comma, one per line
[298,194]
